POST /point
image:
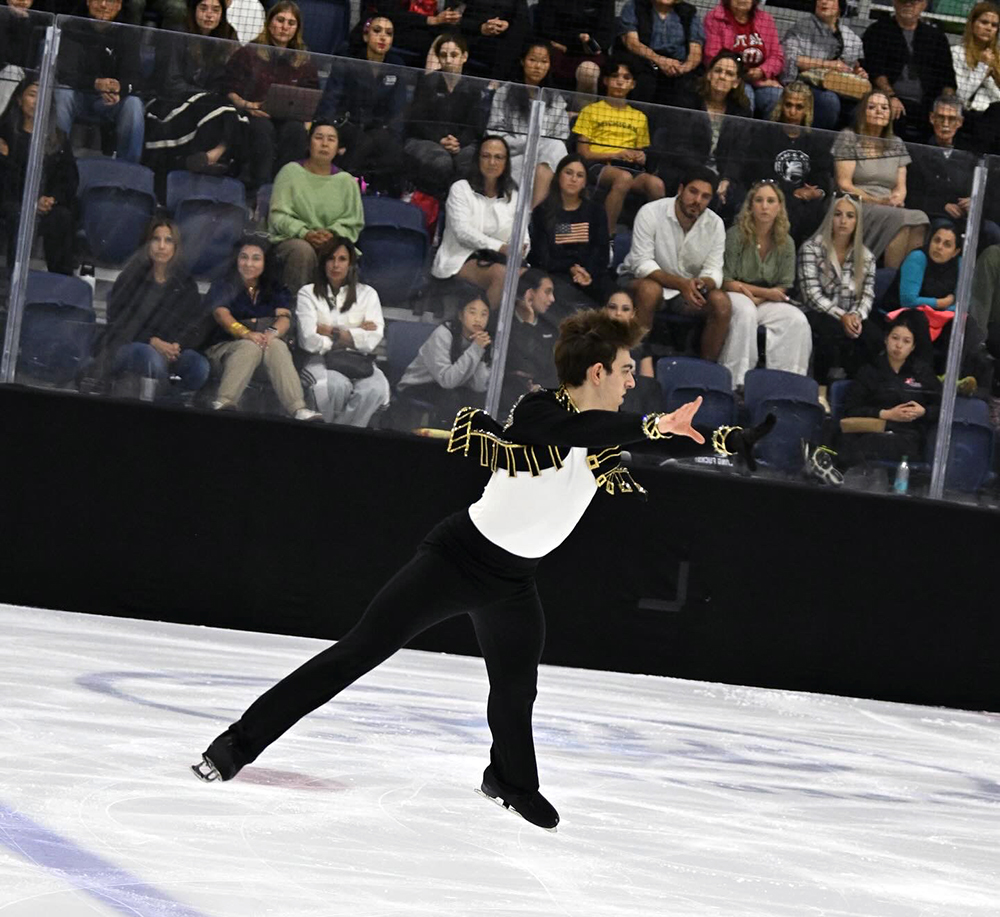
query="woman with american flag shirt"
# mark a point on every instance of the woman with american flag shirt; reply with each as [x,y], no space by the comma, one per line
[569,237]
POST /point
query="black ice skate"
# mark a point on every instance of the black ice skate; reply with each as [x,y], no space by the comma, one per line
[221,760]
[533,807]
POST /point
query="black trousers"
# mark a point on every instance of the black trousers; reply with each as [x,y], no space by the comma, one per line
[832,347]
[56,229]
[455,571]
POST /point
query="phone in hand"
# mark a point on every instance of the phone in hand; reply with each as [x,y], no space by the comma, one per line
[592,46]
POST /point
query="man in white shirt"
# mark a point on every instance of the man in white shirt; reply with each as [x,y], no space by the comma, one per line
[675,261]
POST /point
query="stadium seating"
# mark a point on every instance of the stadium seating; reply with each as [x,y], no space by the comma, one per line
[211,213]
[970,455]
[394,247]
[685,378]
[58,328]
[793,399]
[117,202]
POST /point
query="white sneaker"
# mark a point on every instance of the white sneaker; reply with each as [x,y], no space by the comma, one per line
[220,405]
[306,414]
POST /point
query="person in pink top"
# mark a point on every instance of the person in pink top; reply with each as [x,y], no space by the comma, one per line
[738,25]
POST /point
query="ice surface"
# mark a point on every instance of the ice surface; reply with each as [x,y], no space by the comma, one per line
[676,797]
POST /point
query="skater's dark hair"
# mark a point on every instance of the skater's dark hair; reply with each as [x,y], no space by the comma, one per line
[591,337]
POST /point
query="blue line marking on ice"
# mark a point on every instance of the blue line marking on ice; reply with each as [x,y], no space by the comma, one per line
[111,885]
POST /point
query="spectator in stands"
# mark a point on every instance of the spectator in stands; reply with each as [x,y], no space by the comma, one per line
[371,98]
[509,119]
[246,17]
[252,312]
[976,61]
[480,218]
[452,367]
[100,65]
[613,138]
[910,62]
[984,302]
[171,14]
[665,39]
[740,26]
[21,40]
[339,325]
[569,236]
[815,48]
[192,125]
[312,201]
[59,183]
[837,288]
[647,396]
[530,364]
[714,136]
[496,31]
[155,316]
[443,121]
[676,260]
[795,156]
[757,274]
[276,56]
[417,23]
[580,33]
[870,162]
[898,391]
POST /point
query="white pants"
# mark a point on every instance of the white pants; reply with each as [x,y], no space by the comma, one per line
[789,339]
[345,401]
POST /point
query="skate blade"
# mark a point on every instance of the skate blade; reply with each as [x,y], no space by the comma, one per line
[510,808]
[206,771]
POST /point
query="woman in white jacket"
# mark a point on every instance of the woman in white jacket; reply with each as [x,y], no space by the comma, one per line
[338,314]
[479,219]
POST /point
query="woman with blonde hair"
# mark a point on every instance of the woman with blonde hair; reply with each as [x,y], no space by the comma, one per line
[870,162]
[758,271]
[976,61]
[837,287]
[278,55]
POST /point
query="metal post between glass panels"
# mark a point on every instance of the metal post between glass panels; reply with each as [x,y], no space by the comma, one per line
[943,443]
[514,259]
[26,227]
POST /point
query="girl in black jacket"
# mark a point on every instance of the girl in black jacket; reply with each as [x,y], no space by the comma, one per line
[57,198]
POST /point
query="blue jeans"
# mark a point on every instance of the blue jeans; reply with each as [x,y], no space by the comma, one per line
[144,360]
[826,108]
[764,98]
[127,115]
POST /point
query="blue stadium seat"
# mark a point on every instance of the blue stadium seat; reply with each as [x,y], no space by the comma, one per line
[58,328]
[117,201]
[622,243]
[211,213]
[685,378]
[325,24]
[394,248]
[837,396]
[264,201]
[883,280]
[402,341]
[970,455]
[793,399]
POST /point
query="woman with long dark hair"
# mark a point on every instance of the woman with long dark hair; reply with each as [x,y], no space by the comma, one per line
[57,200]
[252,312]
[340,324]
[155,317]
[480,218]
[569,236]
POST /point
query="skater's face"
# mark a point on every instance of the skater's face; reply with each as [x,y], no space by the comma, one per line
[984,29]
[207,15]
[845,219]
[250,263]
[613,385]
[337,264]
[324,144]
[572,179]
[536,64]
[693,198]
[379,36]
[542,296]
[29,99]
[943,246]
[474,318]
[162,245]
[899,344]
[793,108]
[452,57]
[283,27]
[620,83]
[620,306]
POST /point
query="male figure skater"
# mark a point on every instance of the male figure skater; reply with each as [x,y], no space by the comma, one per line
[556,451]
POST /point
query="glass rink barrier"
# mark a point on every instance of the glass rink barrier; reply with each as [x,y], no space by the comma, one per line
[217,223]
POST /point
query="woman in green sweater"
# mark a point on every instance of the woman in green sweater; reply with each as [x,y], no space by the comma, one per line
[758,271]
[312,201]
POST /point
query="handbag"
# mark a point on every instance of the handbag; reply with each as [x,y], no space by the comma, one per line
[844,84]
[351,363]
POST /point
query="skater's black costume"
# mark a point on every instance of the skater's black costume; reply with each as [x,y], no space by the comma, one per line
[548,462]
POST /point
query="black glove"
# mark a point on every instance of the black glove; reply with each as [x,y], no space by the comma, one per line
[740,442]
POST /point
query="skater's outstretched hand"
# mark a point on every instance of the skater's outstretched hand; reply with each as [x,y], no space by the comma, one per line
[679,422]
[741,442]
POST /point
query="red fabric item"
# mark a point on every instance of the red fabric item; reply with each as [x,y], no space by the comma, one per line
[430,206]
[424,7]
[936,319]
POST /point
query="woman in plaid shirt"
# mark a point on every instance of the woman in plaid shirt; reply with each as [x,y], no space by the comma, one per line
[837,287]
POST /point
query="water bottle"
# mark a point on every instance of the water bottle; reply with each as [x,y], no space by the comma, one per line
[902,483]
